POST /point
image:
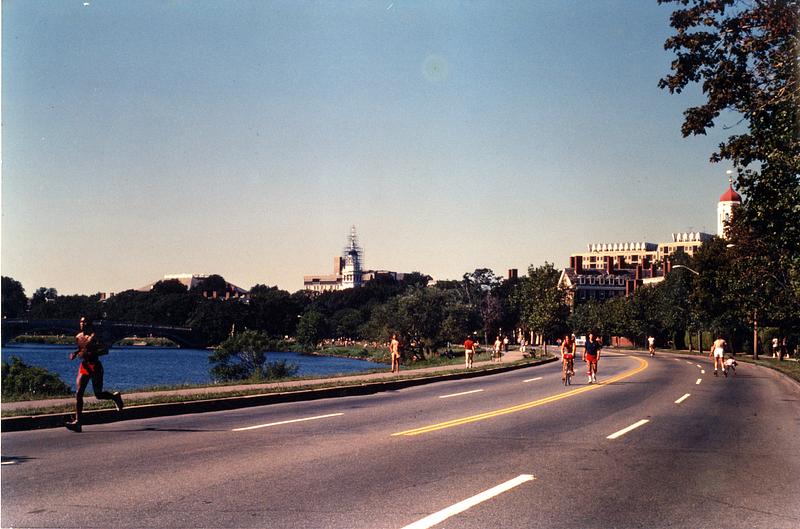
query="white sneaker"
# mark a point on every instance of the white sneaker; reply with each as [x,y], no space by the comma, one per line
[594,379]
[590,380]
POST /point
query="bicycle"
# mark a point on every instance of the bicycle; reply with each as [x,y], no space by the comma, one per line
[568,371]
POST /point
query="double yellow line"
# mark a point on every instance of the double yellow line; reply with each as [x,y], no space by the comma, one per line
[521,407]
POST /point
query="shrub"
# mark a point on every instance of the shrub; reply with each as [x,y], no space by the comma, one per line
[280,369]
[23,381]
[244,357]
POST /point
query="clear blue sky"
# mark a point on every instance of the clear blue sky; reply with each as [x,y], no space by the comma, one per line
[244,138]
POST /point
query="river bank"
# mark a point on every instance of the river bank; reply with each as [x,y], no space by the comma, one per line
[64,339]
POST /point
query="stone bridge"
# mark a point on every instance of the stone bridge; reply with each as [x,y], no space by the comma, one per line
[109,331]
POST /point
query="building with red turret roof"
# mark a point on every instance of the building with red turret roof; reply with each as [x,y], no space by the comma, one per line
[608,270]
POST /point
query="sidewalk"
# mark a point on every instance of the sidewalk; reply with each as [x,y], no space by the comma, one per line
[213,398]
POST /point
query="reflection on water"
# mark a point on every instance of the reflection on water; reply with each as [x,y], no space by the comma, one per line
[128,368]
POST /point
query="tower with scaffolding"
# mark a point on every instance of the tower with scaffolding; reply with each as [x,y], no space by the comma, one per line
[353,261]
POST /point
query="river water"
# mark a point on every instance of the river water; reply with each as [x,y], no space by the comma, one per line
[130,368]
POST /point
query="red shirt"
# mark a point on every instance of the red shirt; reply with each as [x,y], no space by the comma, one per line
[469,345]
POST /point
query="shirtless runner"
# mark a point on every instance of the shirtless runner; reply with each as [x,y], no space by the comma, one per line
[394,349]
[90,369]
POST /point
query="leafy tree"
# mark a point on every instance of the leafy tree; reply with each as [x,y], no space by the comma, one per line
[645,316]
[425,317]
[717,309]
[745,56]
[14,302]
[216,319]
[169,286]
[311,329]
[492,312]
[129,305]
[212,285]
[460,320]
[421,312]
[21,381]
[346,323]
[43,295]
[542,302]
[273,311]
[415,279]
[478,284]
[242,356]
[68,307]
[589,317]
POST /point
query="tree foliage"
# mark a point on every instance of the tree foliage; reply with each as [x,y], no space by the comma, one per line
[542,302]
[21,381]
[745,55]
[311,329]
[244,356]
[14,302]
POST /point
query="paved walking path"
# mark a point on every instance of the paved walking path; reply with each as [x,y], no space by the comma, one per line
[222,391]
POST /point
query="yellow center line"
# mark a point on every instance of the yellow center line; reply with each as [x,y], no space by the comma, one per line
[525,406]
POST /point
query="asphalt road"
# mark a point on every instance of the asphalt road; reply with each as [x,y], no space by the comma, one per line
[511,450]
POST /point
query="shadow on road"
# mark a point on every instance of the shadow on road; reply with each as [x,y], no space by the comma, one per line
[15,460]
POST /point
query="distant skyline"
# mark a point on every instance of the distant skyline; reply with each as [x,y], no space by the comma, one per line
[245,138]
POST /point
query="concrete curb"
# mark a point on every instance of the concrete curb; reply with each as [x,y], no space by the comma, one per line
[147,411]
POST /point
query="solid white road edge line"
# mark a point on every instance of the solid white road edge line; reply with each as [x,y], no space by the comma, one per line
[628,429]
[532,379]
[459,394]
[438,517]
[286,422]
[683,398]
[698,382]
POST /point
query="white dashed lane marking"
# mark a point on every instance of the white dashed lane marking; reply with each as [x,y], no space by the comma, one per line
[462,393]
[439,517]
[628,429]
[286,422]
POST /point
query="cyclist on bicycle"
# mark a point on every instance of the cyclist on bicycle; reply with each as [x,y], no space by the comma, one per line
[567,356]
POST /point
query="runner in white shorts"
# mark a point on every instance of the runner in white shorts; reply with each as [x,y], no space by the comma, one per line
[718,350]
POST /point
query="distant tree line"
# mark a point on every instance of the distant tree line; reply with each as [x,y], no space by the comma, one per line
[720,300]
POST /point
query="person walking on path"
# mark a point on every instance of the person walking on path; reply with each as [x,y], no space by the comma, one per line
[89,351]
[497,353]
[567,356]
[651,345]
[469,352]
[394,349]
[591,354]
[718,351]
